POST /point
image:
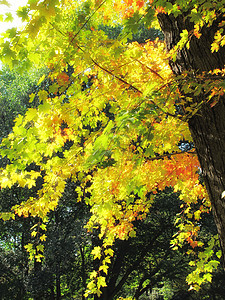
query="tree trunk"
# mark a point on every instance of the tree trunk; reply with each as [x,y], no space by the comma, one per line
[58,261]
[83,271]
[208,132]
[37,270]
[207,126]
[58,282]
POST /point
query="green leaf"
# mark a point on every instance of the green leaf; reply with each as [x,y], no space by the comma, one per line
[8,17]
[168,6]
[4,2]
[44,108]
[11,32]
[40,248]
[219,253]
[53,88]
[23,13]
[132,24]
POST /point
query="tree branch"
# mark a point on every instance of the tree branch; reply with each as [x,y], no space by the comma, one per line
[170,154]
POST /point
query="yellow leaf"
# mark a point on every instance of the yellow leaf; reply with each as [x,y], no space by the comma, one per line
[101,282]
[107,260]
[93,274]
[33,233]
[215,47]
[104,268]
[43,237]
[109,251]
[7,216]
[96,252]
[31,97]
[38,257]
[43,226]
[42,95]
[6,182]
[41,79]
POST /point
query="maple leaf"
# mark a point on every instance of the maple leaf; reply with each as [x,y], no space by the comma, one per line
[62,78]
[33,233]
[96,252]
[101,282]
[104,268]
[43,237]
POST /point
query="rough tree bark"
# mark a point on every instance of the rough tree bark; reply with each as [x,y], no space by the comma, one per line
[207,126]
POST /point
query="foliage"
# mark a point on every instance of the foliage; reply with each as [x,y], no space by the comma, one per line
[146,262]
[141,36]
[68,247]
[14,91]
[121,136]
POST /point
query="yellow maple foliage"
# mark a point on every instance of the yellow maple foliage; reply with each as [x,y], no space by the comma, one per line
[119,106]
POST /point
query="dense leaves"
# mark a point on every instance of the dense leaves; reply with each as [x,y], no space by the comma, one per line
[112,118]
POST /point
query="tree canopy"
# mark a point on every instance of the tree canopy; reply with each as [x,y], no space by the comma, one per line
[124,119]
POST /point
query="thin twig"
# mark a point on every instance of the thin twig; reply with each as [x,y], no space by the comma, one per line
[170,154]
[85,23]
[150,69]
